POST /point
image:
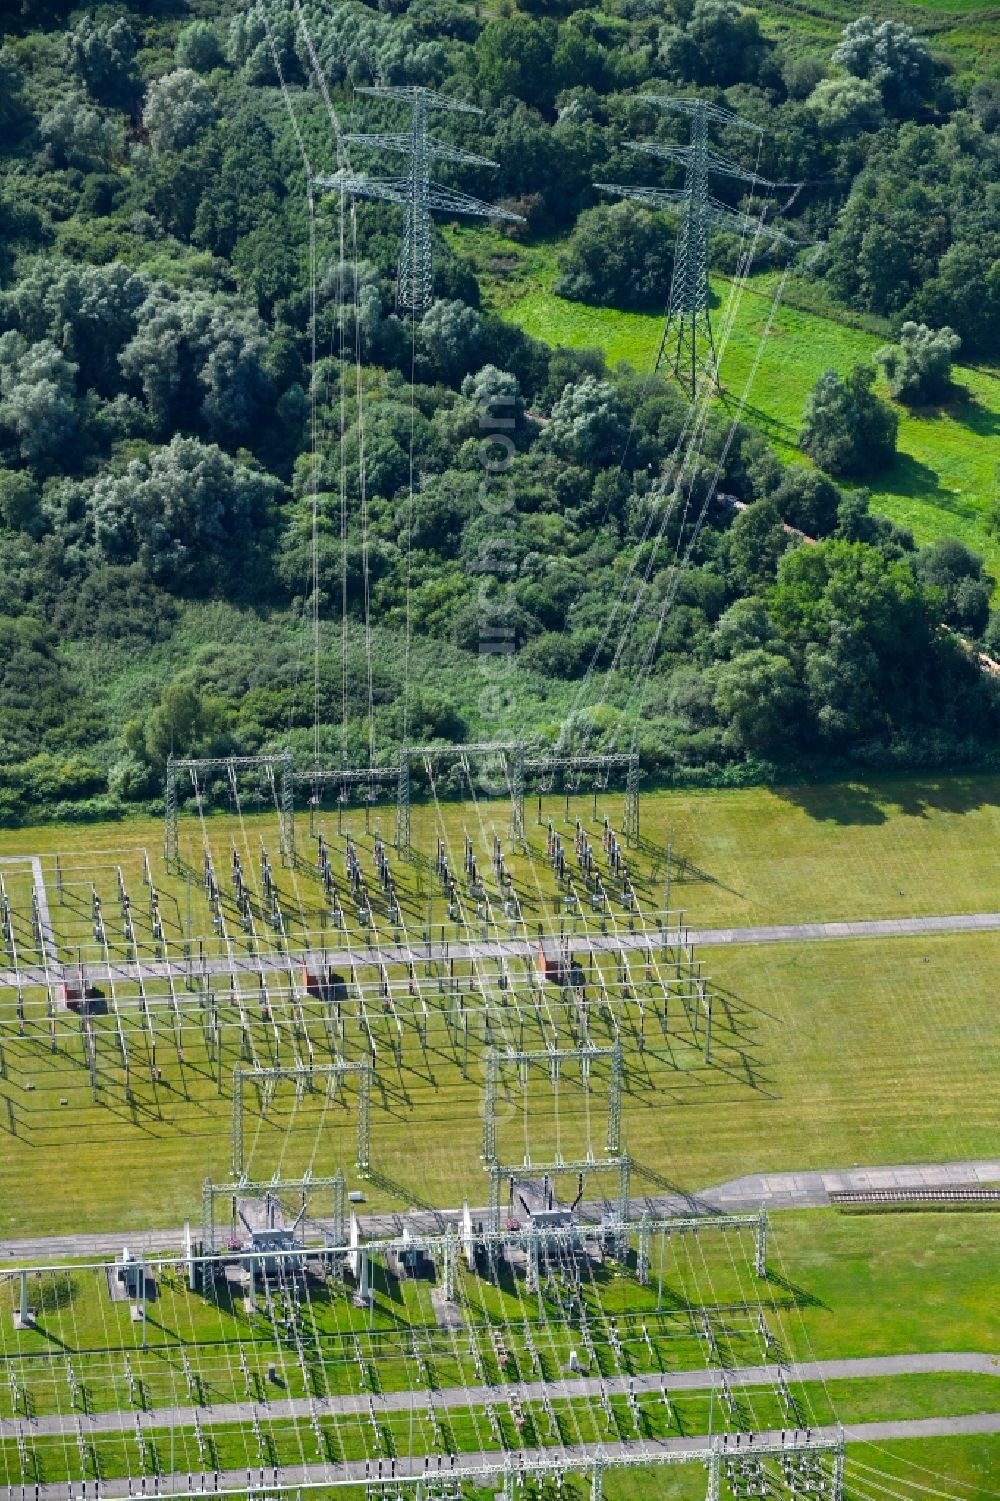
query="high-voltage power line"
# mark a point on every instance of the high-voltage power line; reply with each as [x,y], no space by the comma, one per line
[689,313]
[415,191]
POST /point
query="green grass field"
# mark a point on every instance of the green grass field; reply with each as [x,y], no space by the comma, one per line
[826,1274]
[944,479]
[966,32]
[838,1055]
[824,1054]
[879,846]
[950,1466]
[847,1267]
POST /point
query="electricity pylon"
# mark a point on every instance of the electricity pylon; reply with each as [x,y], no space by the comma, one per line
[689,312]
[417,194]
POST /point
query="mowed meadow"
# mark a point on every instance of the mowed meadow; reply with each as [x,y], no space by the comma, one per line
[946,477]
[965,32]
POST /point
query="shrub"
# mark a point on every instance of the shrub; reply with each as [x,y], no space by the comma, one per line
[847,429]
[918,368]
[619,255]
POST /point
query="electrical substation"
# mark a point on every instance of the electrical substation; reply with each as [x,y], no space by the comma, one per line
[473,941]
[307,970]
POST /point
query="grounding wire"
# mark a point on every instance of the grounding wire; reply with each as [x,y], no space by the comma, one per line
[313,406]
[687,469]
[476,971]
[485,846]
[697,418]
[729,321]
[865,1480]
[343,165]
[638,689]
[647,381]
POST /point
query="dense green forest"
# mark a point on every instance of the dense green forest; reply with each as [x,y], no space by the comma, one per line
[194,469]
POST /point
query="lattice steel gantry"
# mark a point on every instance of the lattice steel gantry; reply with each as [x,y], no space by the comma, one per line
[553,1059]
[416,192]
[335,1185]
[689,310]
[512,764]
[499,1172]
[282,794]
[783,1463]
[303,1076]
[543,769]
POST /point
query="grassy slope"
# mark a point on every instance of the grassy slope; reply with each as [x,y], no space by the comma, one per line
[966,32]
[945,475]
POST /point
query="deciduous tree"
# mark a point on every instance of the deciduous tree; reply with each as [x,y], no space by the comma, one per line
[918,367]
[847,428]
[101,53]
[888,54]
[619,255]
[178,108]
[188,513]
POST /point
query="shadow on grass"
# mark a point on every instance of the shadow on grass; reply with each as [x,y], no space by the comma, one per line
[847,803]
[399,1192]
[965,409]
[772,427]
[799,1297]
[873,803]
[681,868]
[911,479]
[695,1204]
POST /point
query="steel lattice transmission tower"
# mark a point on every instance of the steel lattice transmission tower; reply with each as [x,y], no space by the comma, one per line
[415,192]
[689,311]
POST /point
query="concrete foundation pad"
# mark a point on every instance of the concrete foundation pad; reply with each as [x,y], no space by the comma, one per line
[448,1315]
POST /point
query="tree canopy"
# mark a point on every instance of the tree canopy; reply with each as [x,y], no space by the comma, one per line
[847,428]
[918,367]
[215,418]
[619,255]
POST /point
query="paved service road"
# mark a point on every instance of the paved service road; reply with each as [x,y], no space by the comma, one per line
[811,1190]
[877,927]
[101,972]
[571,1388]
[805,1190]
[577,1456]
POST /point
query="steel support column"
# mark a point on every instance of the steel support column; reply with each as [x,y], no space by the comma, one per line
[403,801]
[304,1074]
[630,825]
[286,813]
[170,834]
[760,1248]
